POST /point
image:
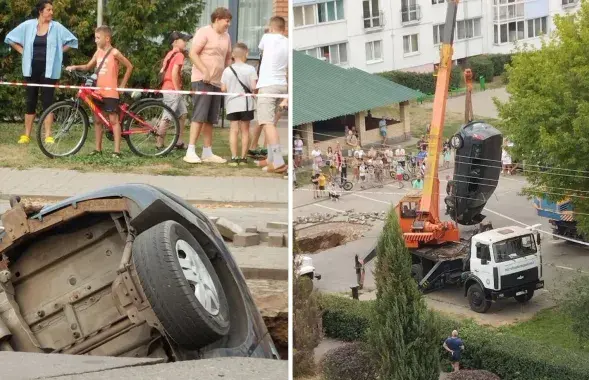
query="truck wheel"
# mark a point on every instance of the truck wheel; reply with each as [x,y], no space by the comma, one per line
[181,285]
[523,298]
[417,272]
[477,300]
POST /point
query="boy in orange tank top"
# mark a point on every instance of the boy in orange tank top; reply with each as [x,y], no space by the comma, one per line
[107,77]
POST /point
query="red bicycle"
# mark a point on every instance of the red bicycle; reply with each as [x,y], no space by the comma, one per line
[150,127]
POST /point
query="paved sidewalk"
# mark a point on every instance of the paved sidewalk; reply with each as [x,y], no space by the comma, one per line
[66,183]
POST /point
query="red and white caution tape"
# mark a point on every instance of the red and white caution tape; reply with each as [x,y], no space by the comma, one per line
[144,90]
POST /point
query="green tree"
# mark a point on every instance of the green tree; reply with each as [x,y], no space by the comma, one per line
[140,29]
[547,115]
[403,333]
[576,305]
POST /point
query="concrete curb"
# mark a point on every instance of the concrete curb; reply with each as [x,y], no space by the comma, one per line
[264,274]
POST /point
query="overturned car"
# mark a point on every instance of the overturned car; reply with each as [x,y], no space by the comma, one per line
[131,270]
[477,167]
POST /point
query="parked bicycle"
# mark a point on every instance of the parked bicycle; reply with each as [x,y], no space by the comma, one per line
[142,123]
[345,184]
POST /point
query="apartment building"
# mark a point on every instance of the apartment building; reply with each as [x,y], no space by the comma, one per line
[383,35]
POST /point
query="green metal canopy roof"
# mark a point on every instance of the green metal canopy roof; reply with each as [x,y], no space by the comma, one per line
[322,91]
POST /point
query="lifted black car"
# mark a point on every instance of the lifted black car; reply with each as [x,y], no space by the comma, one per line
[477,167]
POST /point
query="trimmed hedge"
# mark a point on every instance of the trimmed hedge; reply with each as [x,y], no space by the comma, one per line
[488,65]
[424,82]
[481,66]
[510,357]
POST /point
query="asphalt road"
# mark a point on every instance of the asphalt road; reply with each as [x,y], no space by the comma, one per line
[562,260]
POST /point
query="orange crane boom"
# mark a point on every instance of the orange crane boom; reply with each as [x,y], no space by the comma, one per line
[419,215]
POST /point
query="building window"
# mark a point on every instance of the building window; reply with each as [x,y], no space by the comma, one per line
[371,13]
[537,27]
[411,43]
[304,15]
[374,51]
[438,33]
[318,13]
[507,10]
[409,11]
[509,32]
[569,2]
[466,29]
[335,54]
[434,2]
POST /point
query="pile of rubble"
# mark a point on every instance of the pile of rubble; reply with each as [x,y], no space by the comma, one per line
[275,233]
[348,216]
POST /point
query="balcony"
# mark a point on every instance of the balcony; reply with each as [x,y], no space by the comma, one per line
[374,23]
[410,15]
[569,3]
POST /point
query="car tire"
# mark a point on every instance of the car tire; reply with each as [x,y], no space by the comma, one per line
[524,298]
[417,272]
[457,141]
[181,285]
[477,299]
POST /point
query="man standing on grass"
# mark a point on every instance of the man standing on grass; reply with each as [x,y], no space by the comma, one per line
[454,346]
[210,54]
[273,80]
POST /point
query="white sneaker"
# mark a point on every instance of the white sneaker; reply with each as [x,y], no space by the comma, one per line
[192,158]
[214,160]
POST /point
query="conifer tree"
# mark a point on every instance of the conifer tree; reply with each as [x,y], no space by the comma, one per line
[403,333]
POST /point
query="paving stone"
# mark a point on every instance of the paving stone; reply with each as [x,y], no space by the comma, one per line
[251,230]
[228,229]
[277,225]
[275,240]
[263,235]
[246,239]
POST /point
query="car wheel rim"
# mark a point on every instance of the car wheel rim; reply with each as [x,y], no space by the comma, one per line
[198,277]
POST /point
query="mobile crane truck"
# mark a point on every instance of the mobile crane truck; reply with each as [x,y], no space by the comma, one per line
[490,264]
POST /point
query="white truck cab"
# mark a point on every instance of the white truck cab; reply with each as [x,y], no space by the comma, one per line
[504,262]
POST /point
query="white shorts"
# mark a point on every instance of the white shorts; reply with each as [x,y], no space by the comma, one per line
[177,103]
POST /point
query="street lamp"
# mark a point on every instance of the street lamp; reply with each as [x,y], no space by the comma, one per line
[99,13]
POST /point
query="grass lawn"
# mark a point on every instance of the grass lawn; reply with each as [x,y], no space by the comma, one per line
[29,156]
[549,326]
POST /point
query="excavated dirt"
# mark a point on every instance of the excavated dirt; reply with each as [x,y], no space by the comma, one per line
[328,235]
[271,297]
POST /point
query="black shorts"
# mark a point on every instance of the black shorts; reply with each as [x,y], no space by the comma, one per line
[241,116]
[321,187]
[32,93]
[110,105]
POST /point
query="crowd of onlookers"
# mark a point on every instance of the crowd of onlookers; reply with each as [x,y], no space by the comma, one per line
[332,168]
[217,66]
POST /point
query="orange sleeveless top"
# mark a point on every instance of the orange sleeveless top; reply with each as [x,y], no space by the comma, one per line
[108,75]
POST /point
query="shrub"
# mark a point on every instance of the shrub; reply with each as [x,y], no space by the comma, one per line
[481,65]
[306,322]
[576,305]
[499,61]
[351,361]
[424,82]
[344,318]
[473,375]
[510,357]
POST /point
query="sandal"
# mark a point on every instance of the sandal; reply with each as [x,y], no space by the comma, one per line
[95,153]
[181,146]
[117,155]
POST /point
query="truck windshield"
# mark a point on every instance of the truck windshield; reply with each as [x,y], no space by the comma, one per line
[513,248]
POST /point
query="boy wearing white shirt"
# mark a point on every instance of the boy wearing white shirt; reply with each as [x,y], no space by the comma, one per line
[239,78]
[273,80]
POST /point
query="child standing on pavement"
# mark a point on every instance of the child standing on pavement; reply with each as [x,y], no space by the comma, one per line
[172,80]
[108,59]
[322,183]
[239,78]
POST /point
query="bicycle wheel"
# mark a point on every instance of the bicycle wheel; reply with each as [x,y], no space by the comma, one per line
[69,129]
[348,186]
[400,184]
[406,177]
[146,123]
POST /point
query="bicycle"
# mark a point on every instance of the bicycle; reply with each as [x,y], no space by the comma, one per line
[346,185]
[143,118]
